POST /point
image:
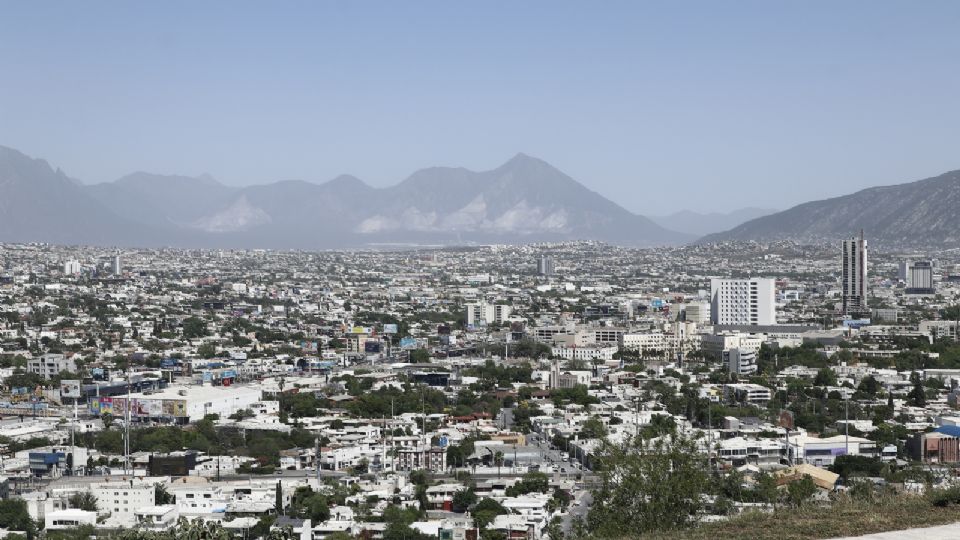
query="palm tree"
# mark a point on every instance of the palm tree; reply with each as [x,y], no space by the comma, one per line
[498,459]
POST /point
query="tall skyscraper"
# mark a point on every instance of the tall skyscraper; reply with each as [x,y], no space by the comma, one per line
[545,265]
[854,275]
[117,268]
[743,301]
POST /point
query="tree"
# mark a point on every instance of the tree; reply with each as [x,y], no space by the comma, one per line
[463,500]
[419,356]
[800,491]
[917,396]
[593,428]
[14,516]
[194,327]
[84,501]
[825,377]
[498,460]
[207,350]
[485,511]
[647,486]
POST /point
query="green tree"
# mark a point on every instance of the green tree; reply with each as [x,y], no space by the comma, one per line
[647,486]
[800,491]
[83,501]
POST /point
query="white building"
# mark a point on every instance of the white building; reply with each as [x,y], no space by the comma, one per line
[70,518]
[483,313]
[71,268]
[740,361]
[648,343]
[743,301]
[853,262]
[588,353]
[121,500]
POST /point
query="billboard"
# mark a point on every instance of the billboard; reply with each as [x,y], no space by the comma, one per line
[70,389]
[371,347]
[408,342]
[390,329]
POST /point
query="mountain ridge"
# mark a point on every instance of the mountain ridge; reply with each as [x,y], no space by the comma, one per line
[913,214]
[523,200]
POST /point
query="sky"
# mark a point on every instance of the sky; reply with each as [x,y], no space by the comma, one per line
[660,106]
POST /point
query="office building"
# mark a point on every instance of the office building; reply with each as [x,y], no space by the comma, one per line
[919,278]
[743,301]
[116,268]
[740,361]
[545,265]
[483,313]
[71,268]
[853,277]
[697,312]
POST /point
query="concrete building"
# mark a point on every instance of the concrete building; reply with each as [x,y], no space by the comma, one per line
[116,266]
[853,277]
[545,265]
[121,500]
[50,365]
[71,268]
[740,361]
[743,301]
[697,312]
[483,313]
[920,278]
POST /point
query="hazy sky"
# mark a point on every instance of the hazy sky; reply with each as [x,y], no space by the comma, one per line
[659,106]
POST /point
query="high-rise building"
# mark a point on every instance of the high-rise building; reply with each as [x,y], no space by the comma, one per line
[853,263]
[545,265]
[483,313]
[117,267]
[743,301]
[71,268]
[920,278]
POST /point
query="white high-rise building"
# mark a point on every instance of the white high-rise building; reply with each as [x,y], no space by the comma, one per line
[853,277]
[743,301]
[545,265]
[71,268]
[117,267]
[482,313]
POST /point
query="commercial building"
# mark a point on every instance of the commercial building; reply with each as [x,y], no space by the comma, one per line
[697,312]
[920,278]
[740,361]
[179,403]
[119,501]
[483,313]
[853,262]
[743,301]
[545,265]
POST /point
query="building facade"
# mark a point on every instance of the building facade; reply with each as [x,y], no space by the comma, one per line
[743,301]
[853,263]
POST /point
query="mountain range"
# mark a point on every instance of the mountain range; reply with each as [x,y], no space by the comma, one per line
[523,200]
[699,224]
[924,213]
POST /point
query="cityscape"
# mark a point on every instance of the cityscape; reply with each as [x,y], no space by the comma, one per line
[541,270]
